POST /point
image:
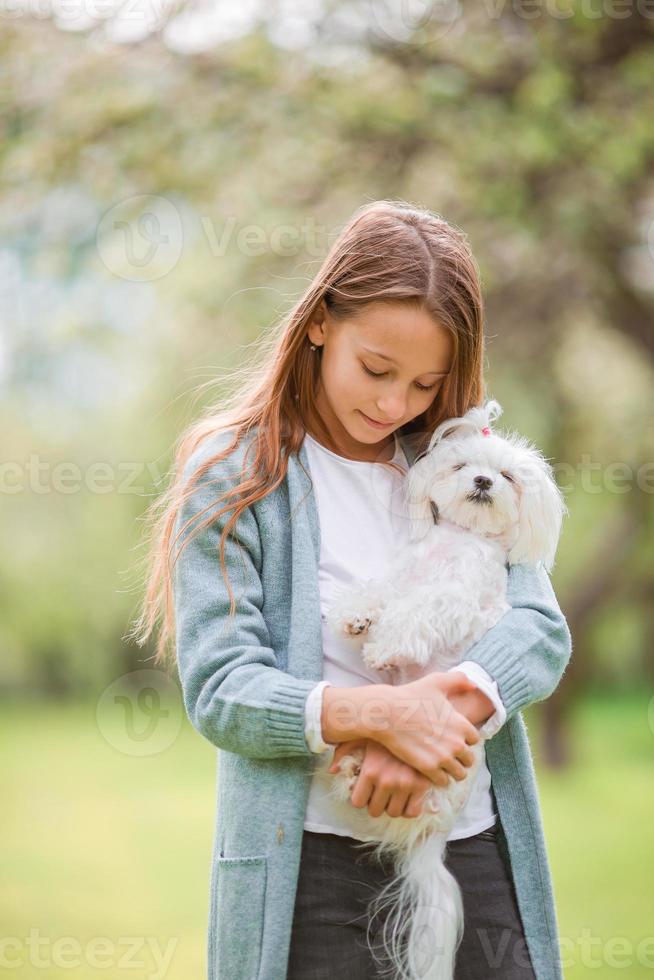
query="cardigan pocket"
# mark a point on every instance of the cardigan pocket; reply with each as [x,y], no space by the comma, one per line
[236,915]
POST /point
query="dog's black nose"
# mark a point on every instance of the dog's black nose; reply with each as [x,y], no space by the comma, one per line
[483,482]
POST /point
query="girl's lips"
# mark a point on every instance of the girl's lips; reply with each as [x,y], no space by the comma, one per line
[376,425]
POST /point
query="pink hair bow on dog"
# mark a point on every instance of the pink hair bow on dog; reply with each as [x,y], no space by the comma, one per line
[485,431]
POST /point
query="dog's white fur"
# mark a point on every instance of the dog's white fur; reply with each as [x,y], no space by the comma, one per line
[477,502]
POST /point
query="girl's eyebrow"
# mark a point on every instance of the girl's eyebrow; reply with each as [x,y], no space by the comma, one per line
[385,357]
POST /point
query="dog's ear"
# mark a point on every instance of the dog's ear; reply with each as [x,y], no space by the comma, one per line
[472,423]
[446,429]
[419,505]
[541,511]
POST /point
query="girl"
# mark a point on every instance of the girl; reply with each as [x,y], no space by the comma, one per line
[289,491]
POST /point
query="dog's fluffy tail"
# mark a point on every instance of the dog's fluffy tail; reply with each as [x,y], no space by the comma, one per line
[422,915]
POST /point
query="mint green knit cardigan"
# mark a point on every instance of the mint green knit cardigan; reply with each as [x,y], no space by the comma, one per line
[245,681]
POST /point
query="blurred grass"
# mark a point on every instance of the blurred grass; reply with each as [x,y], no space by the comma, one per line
[598,823]
[100,844]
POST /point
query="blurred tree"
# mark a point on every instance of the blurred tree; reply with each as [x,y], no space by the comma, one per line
[530,130]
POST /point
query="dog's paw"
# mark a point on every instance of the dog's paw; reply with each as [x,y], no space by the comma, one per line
[351,783]
[377,659]
[351,620]
[358,625]
[348,773]
[350,767]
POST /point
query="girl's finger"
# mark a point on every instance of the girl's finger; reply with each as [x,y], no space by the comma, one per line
[397,804]
[455,769]
[466,757]
[440,778]
[471,733]
[379,800]
[415,806]
[362,791]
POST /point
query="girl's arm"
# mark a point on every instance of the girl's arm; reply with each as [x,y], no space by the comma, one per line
[526,651]
[235,693]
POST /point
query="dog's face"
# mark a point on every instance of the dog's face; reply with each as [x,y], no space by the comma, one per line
[473,481]
[493,486]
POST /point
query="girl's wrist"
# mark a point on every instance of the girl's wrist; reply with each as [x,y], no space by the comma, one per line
[461,693]
[476,707]
[356,712]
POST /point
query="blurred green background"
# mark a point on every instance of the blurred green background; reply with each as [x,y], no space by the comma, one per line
[171,177]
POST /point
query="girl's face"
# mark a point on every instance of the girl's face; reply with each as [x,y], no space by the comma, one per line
[384,366]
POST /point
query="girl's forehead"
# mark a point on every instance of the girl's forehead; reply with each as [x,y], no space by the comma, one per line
[424,346]
[387,322]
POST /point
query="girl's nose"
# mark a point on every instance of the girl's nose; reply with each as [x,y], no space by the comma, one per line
[391,408]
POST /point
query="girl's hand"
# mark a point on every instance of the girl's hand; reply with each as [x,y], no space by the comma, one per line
[385,784]
[423,729]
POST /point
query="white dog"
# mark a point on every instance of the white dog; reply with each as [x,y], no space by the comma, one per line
[478,501]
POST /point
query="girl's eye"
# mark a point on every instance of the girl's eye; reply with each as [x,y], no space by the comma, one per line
[458,466]
[373,374]
[507,476]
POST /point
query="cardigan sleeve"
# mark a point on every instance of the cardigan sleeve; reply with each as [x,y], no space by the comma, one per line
[528,649]
[313,719]
[235,693]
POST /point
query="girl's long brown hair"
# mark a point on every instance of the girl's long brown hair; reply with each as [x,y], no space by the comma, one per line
[388,250]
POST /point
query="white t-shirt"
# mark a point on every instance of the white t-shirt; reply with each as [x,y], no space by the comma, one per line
[363,523]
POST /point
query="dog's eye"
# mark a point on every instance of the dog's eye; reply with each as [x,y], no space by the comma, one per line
[507,476]
[459,466]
